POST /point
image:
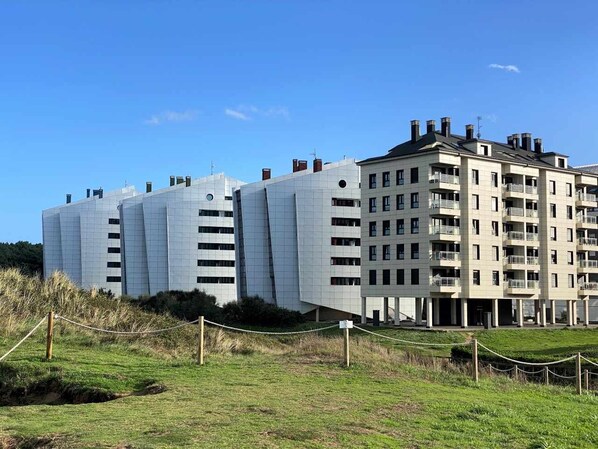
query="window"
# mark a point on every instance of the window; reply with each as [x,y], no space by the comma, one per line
[494,204]
[415,250]
[356,261]
[372,229]
[400,177]
[476,252]
[215,230]
[215,263]
[553,210]
[570,212]
[494,179]
[401,277]
[113,279]
[227,198]
[569,234]
[570,259]
[386,227]
[113,265]
[215,280]
[345,281]
[414,200]
[495,278]
[554,280]
[414,276]
[373,181]
[571,281]
[372,204]
[475,201]
[113,250]
[386,252]
[400,227]
[373,252]
[495,253]
[569,189]
[113,221]
[386,179]
[386,203]
[400,251]
[414,175]
[415,225]
[553,233]
[553,256]
[208,213]
[400,202]
[225,246]
[114,235]
[338,221]
[476,277]
[475,227]
[372,277]
[495,228]
[552,187]
[561,162]
[475,177]
[385,277]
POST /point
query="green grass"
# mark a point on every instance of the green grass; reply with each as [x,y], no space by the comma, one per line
[297,395]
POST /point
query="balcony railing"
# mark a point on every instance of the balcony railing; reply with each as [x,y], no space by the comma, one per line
[452,256]
[444,229]
[587,241]
[532,213]
[531,190]
[588,263]
[445,282]
[517,188]
[531,237]
[445,204]
[515,211]
[532,260]
[520,260]
[587,220]
[442,177]
[522,283]
[515,235]
[585,196]
[588,286]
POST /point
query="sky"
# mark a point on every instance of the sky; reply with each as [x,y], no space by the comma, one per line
[107,94]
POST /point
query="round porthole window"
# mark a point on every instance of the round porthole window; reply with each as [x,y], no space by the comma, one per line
[342,183]
[209,197]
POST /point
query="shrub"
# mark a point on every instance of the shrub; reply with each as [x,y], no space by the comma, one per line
[255,311]
[183,305]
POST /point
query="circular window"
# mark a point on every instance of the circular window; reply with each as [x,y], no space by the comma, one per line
[342,183]
[209,197]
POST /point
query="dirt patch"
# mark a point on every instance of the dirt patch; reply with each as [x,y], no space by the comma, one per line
[46,442]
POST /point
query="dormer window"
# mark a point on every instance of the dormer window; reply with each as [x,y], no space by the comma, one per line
[484,149]
[561,162]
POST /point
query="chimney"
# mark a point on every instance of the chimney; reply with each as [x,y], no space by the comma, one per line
[516,141]
[68,198]
[538,146]
[171,181]
[101,193]
[148,187]
[266,174]
[414,130]
[526,141]
[302,165]
[88,193]
[468,132]
[295,165]
[187,181]
[317,165]
[180,180]
[430,126]
[510,141]
[446,126]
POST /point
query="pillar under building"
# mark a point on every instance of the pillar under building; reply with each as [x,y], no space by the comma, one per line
[385,307]
[397,311]
[464,323]
[364,317]
[429,313]
[418,311]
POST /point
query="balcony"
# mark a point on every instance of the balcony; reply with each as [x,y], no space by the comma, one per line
[587,222]
[444,181]
[445,284]
[522,287]
[518,190]
[445,259]
[521,262]
[585,200]
[587,244]
[445,233]
[514,214]
[588,266]
[588,288]
[445,207]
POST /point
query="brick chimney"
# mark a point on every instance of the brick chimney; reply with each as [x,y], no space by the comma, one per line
[445,123]
[317,165]
[266,173]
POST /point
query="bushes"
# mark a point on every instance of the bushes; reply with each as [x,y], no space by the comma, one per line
[255,311]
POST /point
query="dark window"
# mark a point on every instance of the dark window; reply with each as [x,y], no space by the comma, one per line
[373,252]
[345,241]
[228,198]
[373,181]
[215,263]
[112,278]
[372,229]
[372,277]
[385,277]
[495,278]
[494,179]
[414,276]
[561,162]
[208,213]
[415,250]
[114,235]
[345,202]
[372,204]
[113,250]
[475,201]
[475,176]
[386,252]
[342,183]
[386,203]
[386,179]
[400,177]
[113,265]
[414,175]
[353,222]
[476,227]
[386,227]
[476,277]
[401,277]
[400,202]
[553,210]
[570,212]
[215,230]
[400,251]
[215,280]
[552,187]
[553,256]
[345,281]
[415,225]
[400,226]
[495,228]
[228,213]
[217,246]
[345,261]
[113,221]
[414,200]
[569,189]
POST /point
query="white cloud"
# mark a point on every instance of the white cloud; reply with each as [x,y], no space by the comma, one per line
[236,114]
[507,68]
[171,116]
[249,112]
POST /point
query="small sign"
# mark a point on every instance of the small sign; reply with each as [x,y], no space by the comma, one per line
[345,324]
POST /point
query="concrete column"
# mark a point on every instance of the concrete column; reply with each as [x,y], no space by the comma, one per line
[574,307]
[464,312]
[418,311]
[519,312]
[317,314]
[385,307]
[397,311]
[569,312]
[543,313]
[429,313]
[364,317]
[436,315]
[453,311]
[586,312]
[552,311]
[537,320]
[495,313]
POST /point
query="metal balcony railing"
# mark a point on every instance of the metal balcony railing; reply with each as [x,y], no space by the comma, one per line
[522,283]
[588,263]
[587,241]
[445,204]
[442,177]
[588,286]
[517,188]
[515,235]
[515,211]
[515,260]
[445,229]
[531,213]
[587,220]
[451,256]
[585,196]
[531,190]
[445,282]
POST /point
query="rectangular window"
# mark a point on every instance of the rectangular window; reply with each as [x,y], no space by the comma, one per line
[386,179]
[414,276]
[476,277]
[401,277]
[386,203]
[215,280]
[113,265]
[495,278]
[372,277]
[415,250]
[495,253]
[230,246]
[553,210]
[114,221]
[561,162]
[373,252]
[372,205]
[553,256]
[475,227]
[415,225]
[215,263]
[414,175]
[571,281]
[113,279]
[400,177]
[372,229]
[554,280]
[570,260]
[570,212]
[569,189]
[386,252]
[552,187]
[414,200]
[494,179]
[494,204]
[476,252]
[113,250]
[215,230]
[475,201]
[400,251]
[385,277]
[495,228]
[386,227]
[400,227]
[569,234]
[553,233]
[475,177]
[114,235]
[400,202]
[209,213]
[373,181]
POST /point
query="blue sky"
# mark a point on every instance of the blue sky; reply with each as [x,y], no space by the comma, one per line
[102,93]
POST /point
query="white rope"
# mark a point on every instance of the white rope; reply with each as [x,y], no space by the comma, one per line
[521,362]
[108,331]
[501,370]
[589,361]
[414,343]
[531,372]
[592,374]
[562,377]
[24,338]
[269,333]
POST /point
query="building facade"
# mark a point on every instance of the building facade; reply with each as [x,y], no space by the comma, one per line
[472,227]
[181,238]
[82,239]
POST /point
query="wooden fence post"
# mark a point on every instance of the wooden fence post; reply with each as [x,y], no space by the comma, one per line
[516,373]
[346,335]
[578,372]
[587,379]
[200,348]
[546,375]
[475,367]
[50,335]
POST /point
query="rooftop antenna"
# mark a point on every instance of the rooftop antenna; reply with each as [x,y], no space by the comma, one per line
[314,154]
[212,167]
[479,126]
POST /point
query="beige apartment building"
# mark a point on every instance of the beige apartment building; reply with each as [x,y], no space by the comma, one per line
[470,226]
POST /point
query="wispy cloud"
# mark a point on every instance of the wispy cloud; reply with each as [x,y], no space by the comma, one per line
[249,112]
[171,116]
[506,68]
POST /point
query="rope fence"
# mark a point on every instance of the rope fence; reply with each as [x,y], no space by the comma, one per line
[23,339]
[108,331]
